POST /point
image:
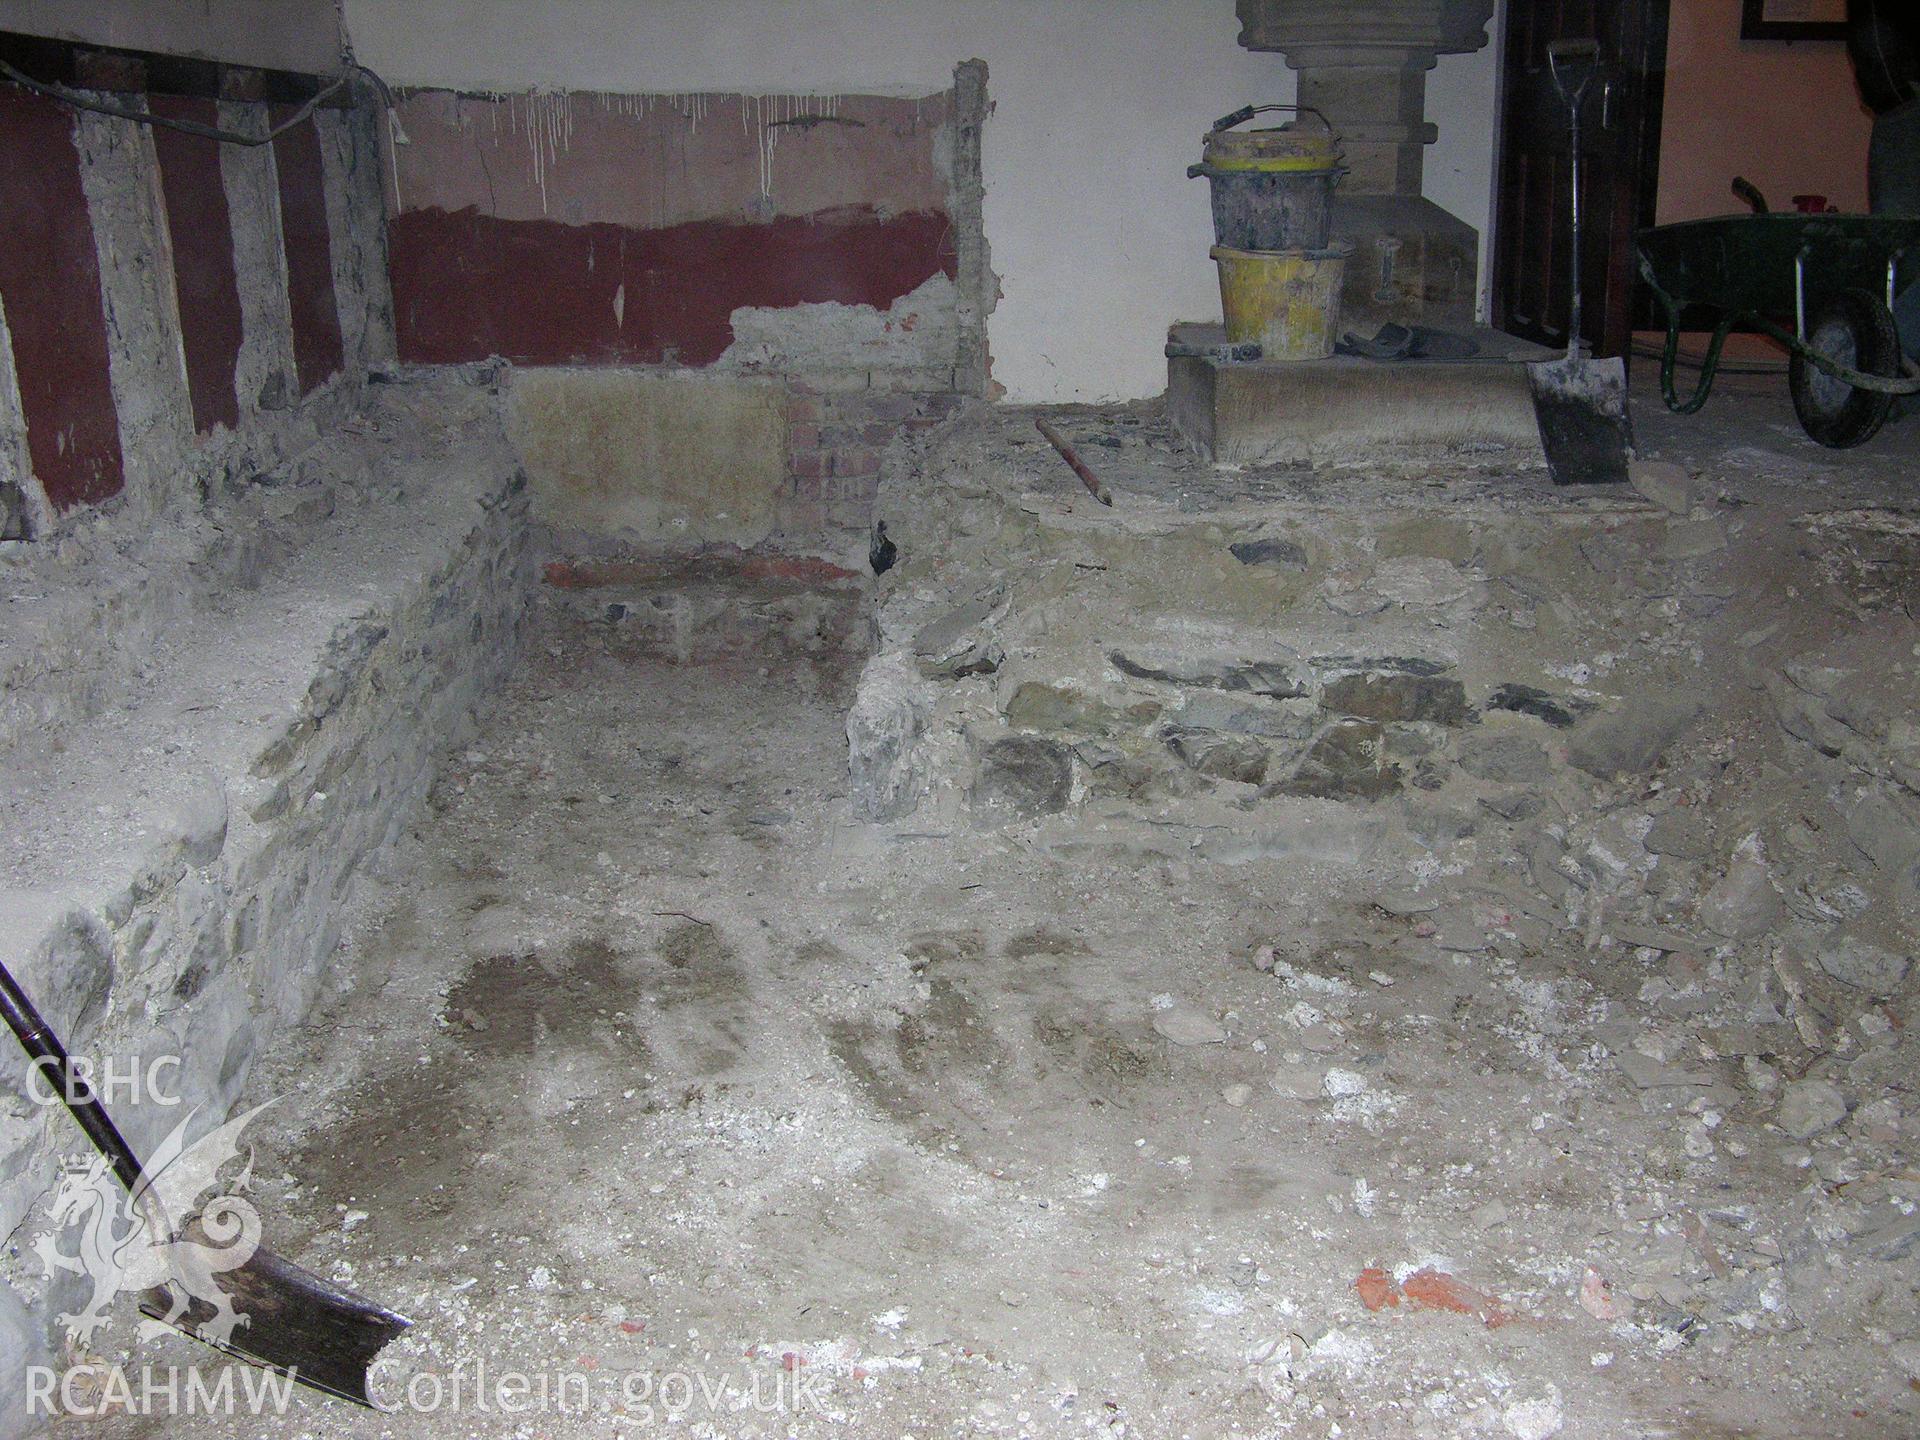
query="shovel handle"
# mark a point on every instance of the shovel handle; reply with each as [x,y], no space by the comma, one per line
[1582,58]
[43,1047]
[1568,55]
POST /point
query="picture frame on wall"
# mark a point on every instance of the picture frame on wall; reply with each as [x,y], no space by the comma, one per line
[1793,19]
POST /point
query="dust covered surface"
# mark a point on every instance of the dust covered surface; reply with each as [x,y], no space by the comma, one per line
[1569,1096]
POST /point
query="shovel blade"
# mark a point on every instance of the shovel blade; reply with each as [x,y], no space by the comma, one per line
[1582,409]
[309,1329]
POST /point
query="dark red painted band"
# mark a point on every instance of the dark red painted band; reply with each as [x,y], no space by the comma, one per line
[50,284]
[318,351]
[203,265]
[468,285]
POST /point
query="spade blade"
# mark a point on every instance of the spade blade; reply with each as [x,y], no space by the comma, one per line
[309,1329]
[1581,405]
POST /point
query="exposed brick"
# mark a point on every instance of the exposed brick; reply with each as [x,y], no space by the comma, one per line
[801,516]
[829,382]
[803,437]
[851,515]
[857,437]
[728,561]
[805,409]
[893,407]
[810,464]
[856,462]
[850,409]
[926,379]
[841,488]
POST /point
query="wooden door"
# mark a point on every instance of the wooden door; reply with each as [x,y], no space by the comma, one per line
[1620,158]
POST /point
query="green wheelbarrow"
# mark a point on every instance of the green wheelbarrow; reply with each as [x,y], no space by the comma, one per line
[1822,285]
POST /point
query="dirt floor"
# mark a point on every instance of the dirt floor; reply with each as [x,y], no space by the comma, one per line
[667,1084]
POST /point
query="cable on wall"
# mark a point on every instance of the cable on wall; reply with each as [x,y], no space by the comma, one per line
[192,127]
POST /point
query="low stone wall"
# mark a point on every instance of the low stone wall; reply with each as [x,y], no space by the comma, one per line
[1673,718]
[185,860]
[1348,640]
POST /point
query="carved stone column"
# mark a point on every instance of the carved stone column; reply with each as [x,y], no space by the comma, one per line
[1363,64]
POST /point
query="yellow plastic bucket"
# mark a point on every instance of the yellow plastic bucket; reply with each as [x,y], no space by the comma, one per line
[1286,301]
[1282,151]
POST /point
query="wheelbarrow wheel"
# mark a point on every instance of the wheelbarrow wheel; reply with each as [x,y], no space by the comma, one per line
[1856,330]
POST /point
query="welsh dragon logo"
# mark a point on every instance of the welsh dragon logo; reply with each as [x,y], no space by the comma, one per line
[160,1234]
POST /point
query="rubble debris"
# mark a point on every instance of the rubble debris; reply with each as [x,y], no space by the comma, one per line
[1631,740]
[1347,762]
[1809,1107]
[1391,697]
[1597,1297]
[1526,700]
[1270,550]
[1185,1025]
[960,642]
[1666,484]
[1021,777]
[1872,968]
[1742,903]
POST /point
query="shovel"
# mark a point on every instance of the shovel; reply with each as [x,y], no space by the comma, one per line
[288,1319]
[1580,402]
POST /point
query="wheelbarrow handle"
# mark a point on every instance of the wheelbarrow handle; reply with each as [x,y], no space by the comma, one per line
[1750,193]
[1247,112]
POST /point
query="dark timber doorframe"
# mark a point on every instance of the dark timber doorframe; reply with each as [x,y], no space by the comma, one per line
[1529,282]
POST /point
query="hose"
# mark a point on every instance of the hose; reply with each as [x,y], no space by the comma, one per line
[1649,351]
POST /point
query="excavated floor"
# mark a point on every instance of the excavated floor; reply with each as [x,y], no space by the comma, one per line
[669,1083]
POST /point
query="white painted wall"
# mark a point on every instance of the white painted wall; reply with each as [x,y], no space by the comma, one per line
[1099,238]
[1463,101]
[273,34]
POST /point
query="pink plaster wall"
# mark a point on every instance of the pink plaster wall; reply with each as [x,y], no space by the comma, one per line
[648,161]
[1786,116]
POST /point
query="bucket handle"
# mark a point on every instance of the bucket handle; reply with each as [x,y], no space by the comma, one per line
[1247,112]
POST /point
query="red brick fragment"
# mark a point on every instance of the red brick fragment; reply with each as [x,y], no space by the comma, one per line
[795,567]
[1376,1287]
[1437,1290]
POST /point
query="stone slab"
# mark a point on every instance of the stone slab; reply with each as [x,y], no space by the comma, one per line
[651,456]
[1347,409]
